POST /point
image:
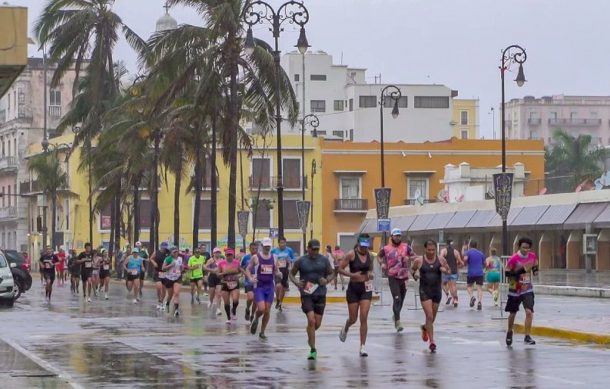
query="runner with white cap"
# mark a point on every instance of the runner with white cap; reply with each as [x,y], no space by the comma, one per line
[264,268]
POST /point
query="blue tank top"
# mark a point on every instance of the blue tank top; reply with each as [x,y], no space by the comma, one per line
[265,270]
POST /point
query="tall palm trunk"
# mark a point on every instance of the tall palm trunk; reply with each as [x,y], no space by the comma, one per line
[214,188]
[197,208]
[118,218]
[233,130]
[136,211]
[154,209]
[177,187]
[53,217]
[113,225]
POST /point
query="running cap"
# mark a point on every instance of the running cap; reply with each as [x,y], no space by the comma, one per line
[216,250]
[229,251]
[267,242]
[313,244]
[396,231]
[138,244]
[164,245]
[135,250]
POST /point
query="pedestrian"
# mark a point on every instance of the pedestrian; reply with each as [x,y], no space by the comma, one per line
[519,269]
[61,266]
[229,271]
[195,266]
[315,273]
[248,285]
[360,288]
[85,259]
[338,255]
[475,259]
[133,266]
[454,260]
[157,259]
[264,268]
[430,267]
[105,272]
[214,282]
[75,271]
[493,268]
[395,257]
[172,266]
[284,256]
[48,261]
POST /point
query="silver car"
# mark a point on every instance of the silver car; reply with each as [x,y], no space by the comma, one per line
[7,284]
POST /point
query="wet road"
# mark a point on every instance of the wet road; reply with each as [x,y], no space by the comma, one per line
[121,345]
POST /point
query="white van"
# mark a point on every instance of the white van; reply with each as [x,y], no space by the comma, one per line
[7,284]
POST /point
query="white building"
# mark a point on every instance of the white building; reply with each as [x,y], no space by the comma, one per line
[532,118]
[348,106]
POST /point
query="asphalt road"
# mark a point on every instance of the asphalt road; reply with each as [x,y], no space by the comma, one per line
[118,344]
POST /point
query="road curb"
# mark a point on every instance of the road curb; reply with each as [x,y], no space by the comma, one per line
[584,337]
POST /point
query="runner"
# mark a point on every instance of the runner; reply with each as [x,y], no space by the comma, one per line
[493,268]
[454,260]
[48,261]
[195,265]
[248,285]
[338,255]
[145,258]
[75,270]
[61,267]
[396,256]
[315,273]
[105,272]
[211,266]
[476,263]
[430,267]
[95,273]
[284,256]
[360,288]
[264,267]
[133,266]
[203,250]
[172,266]
[518,270]
[85,259]
[157,260]
[229,271]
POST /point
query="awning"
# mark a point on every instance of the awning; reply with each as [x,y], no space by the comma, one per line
[529,216]
[555,216]
[603,220]
[440,221]
[422,221]
[512,214]
[368,226]
[403,222]
[460,219]
[482,219]
[584,214]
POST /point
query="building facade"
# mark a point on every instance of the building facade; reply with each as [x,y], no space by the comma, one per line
[14,43]
[539,118]
[465,120]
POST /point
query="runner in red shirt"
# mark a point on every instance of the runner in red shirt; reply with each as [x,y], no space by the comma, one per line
[61,266]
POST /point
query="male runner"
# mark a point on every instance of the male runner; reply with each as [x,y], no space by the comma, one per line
[284,256]
[264,268]
[75,271]
[195,265]
[476,274]
[454,260]
[248,285]
[48,261]
[85,259]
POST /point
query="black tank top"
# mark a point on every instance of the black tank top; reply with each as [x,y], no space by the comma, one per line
[451,260]
[357,266]
[430,275]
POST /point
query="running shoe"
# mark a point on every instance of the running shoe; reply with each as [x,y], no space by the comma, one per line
[192,300]
[432,347]
[209,304]
[342,334]
[479,306]
[135,301]
[176,313]
[312,355]
[509,338]
[424,333]
[105,296]
[455,303]
[228,321]
[448,302]
[280,308]
[262,336]
[162,308]
[472,301]
[218,312]
[398,326]
[496,295]
[247,314]
[198,300]
[254,326]
[363,352]
[88,299]
[528,340]
[233,317]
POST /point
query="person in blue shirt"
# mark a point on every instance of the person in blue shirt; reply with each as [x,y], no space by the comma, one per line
[476,273]
[284,257]
[248,285]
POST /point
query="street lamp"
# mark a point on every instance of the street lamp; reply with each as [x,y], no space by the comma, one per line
[314,122]
[258,12]
[77,130]
[503,183]
[313,173]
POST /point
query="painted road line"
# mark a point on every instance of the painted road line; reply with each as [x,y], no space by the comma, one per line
[551,332]
[541,376]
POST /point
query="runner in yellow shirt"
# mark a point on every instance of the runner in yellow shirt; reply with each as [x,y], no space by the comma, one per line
[195,265]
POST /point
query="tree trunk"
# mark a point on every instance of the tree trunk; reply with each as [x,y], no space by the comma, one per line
[214,188]
[197,207]
[177,187]
[136,211]
[113,224]
[154,209]
[118,217]
[233,126]
[53,217]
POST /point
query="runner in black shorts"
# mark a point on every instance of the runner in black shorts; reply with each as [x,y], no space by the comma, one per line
[360,288]
[47,264]
[211,266]
[85,259]
[75,270]
[105,272]
[430,268]
[156,259]
[315,272]
[284,255]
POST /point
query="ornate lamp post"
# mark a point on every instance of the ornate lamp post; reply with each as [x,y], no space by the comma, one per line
[77,130]
[303,207]
[258,12]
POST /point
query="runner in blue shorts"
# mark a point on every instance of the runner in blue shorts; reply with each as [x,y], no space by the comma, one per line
[265,269]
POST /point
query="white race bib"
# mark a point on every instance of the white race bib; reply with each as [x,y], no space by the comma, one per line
[266,269]
[161,274]
[133,272]
[281,263]
[88,265]
[368,286]
[310,287]
[231,284]
[106,267]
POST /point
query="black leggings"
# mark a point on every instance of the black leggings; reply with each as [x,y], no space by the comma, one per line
[398,288]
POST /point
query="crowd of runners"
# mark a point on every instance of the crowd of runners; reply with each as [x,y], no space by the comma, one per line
[264,273]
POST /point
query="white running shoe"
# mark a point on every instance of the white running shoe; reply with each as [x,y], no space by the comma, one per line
[135,301]
[106,296]
[363,352]
[218,312]
[209,304]
[88,299]
[342,334]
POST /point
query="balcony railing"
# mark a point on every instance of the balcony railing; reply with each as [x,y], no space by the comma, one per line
[534,121]
[29,187]
[357,205]
[575,122]
[9,163]
[290,181]
[2,116]
[55,111]
[415,202]
[8,213]
[263,182]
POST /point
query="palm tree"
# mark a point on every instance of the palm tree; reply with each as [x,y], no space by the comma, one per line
[53,181]
[571,160]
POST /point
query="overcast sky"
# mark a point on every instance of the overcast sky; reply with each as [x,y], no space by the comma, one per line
[452,42]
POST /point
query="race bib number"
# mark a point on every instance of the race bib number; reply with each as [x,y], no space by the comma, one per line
[106,267]
[281,263]
[133,272]
[310,287]
[403,273]
[266,269]
[368,286]
[525,279]
[47,264]
[88,265]
[231,284]
[161,274]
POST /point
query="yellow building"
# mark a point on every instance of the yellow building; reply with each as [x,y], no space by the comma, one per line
[14,41]
[465,118]
[258,170]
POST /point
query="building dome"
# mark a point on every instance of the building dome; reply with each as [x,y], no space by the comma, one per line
[166,22]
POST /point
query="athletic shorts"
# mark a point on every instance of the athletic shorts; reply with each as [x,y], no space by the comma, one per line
[493,276]
[474,280]
[195,280]
[85,274]
[225,287]
[142,275]
[311,303]
[513,302]
[450,277]
[104,274]
[95,273]
[50,276]
[264,293]
[435,295]
[213,280]
[248,288]
[356,292]
[170,283]
[156,277]
[283,279]
[132,277]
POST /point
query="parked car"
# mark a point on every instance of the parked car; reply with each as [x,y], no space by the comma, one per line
[7,284]
[21,271]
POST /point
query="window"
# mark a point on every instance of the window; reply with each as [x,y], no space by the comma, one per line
[573,115]
[339,105]
[403,101]
[317,77]
[54,97]
[534,135]
[260,173]
[205,214]
[431,102]
[553,115]
[350,188]
[368,102]
[145,208]
[339,133]
[418,187]
[318,106]
[464,118]
[291,173]
[9,195]
[291,217]
[262,214]
[351,105]
[297,77]
[295,245]
[464,134]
